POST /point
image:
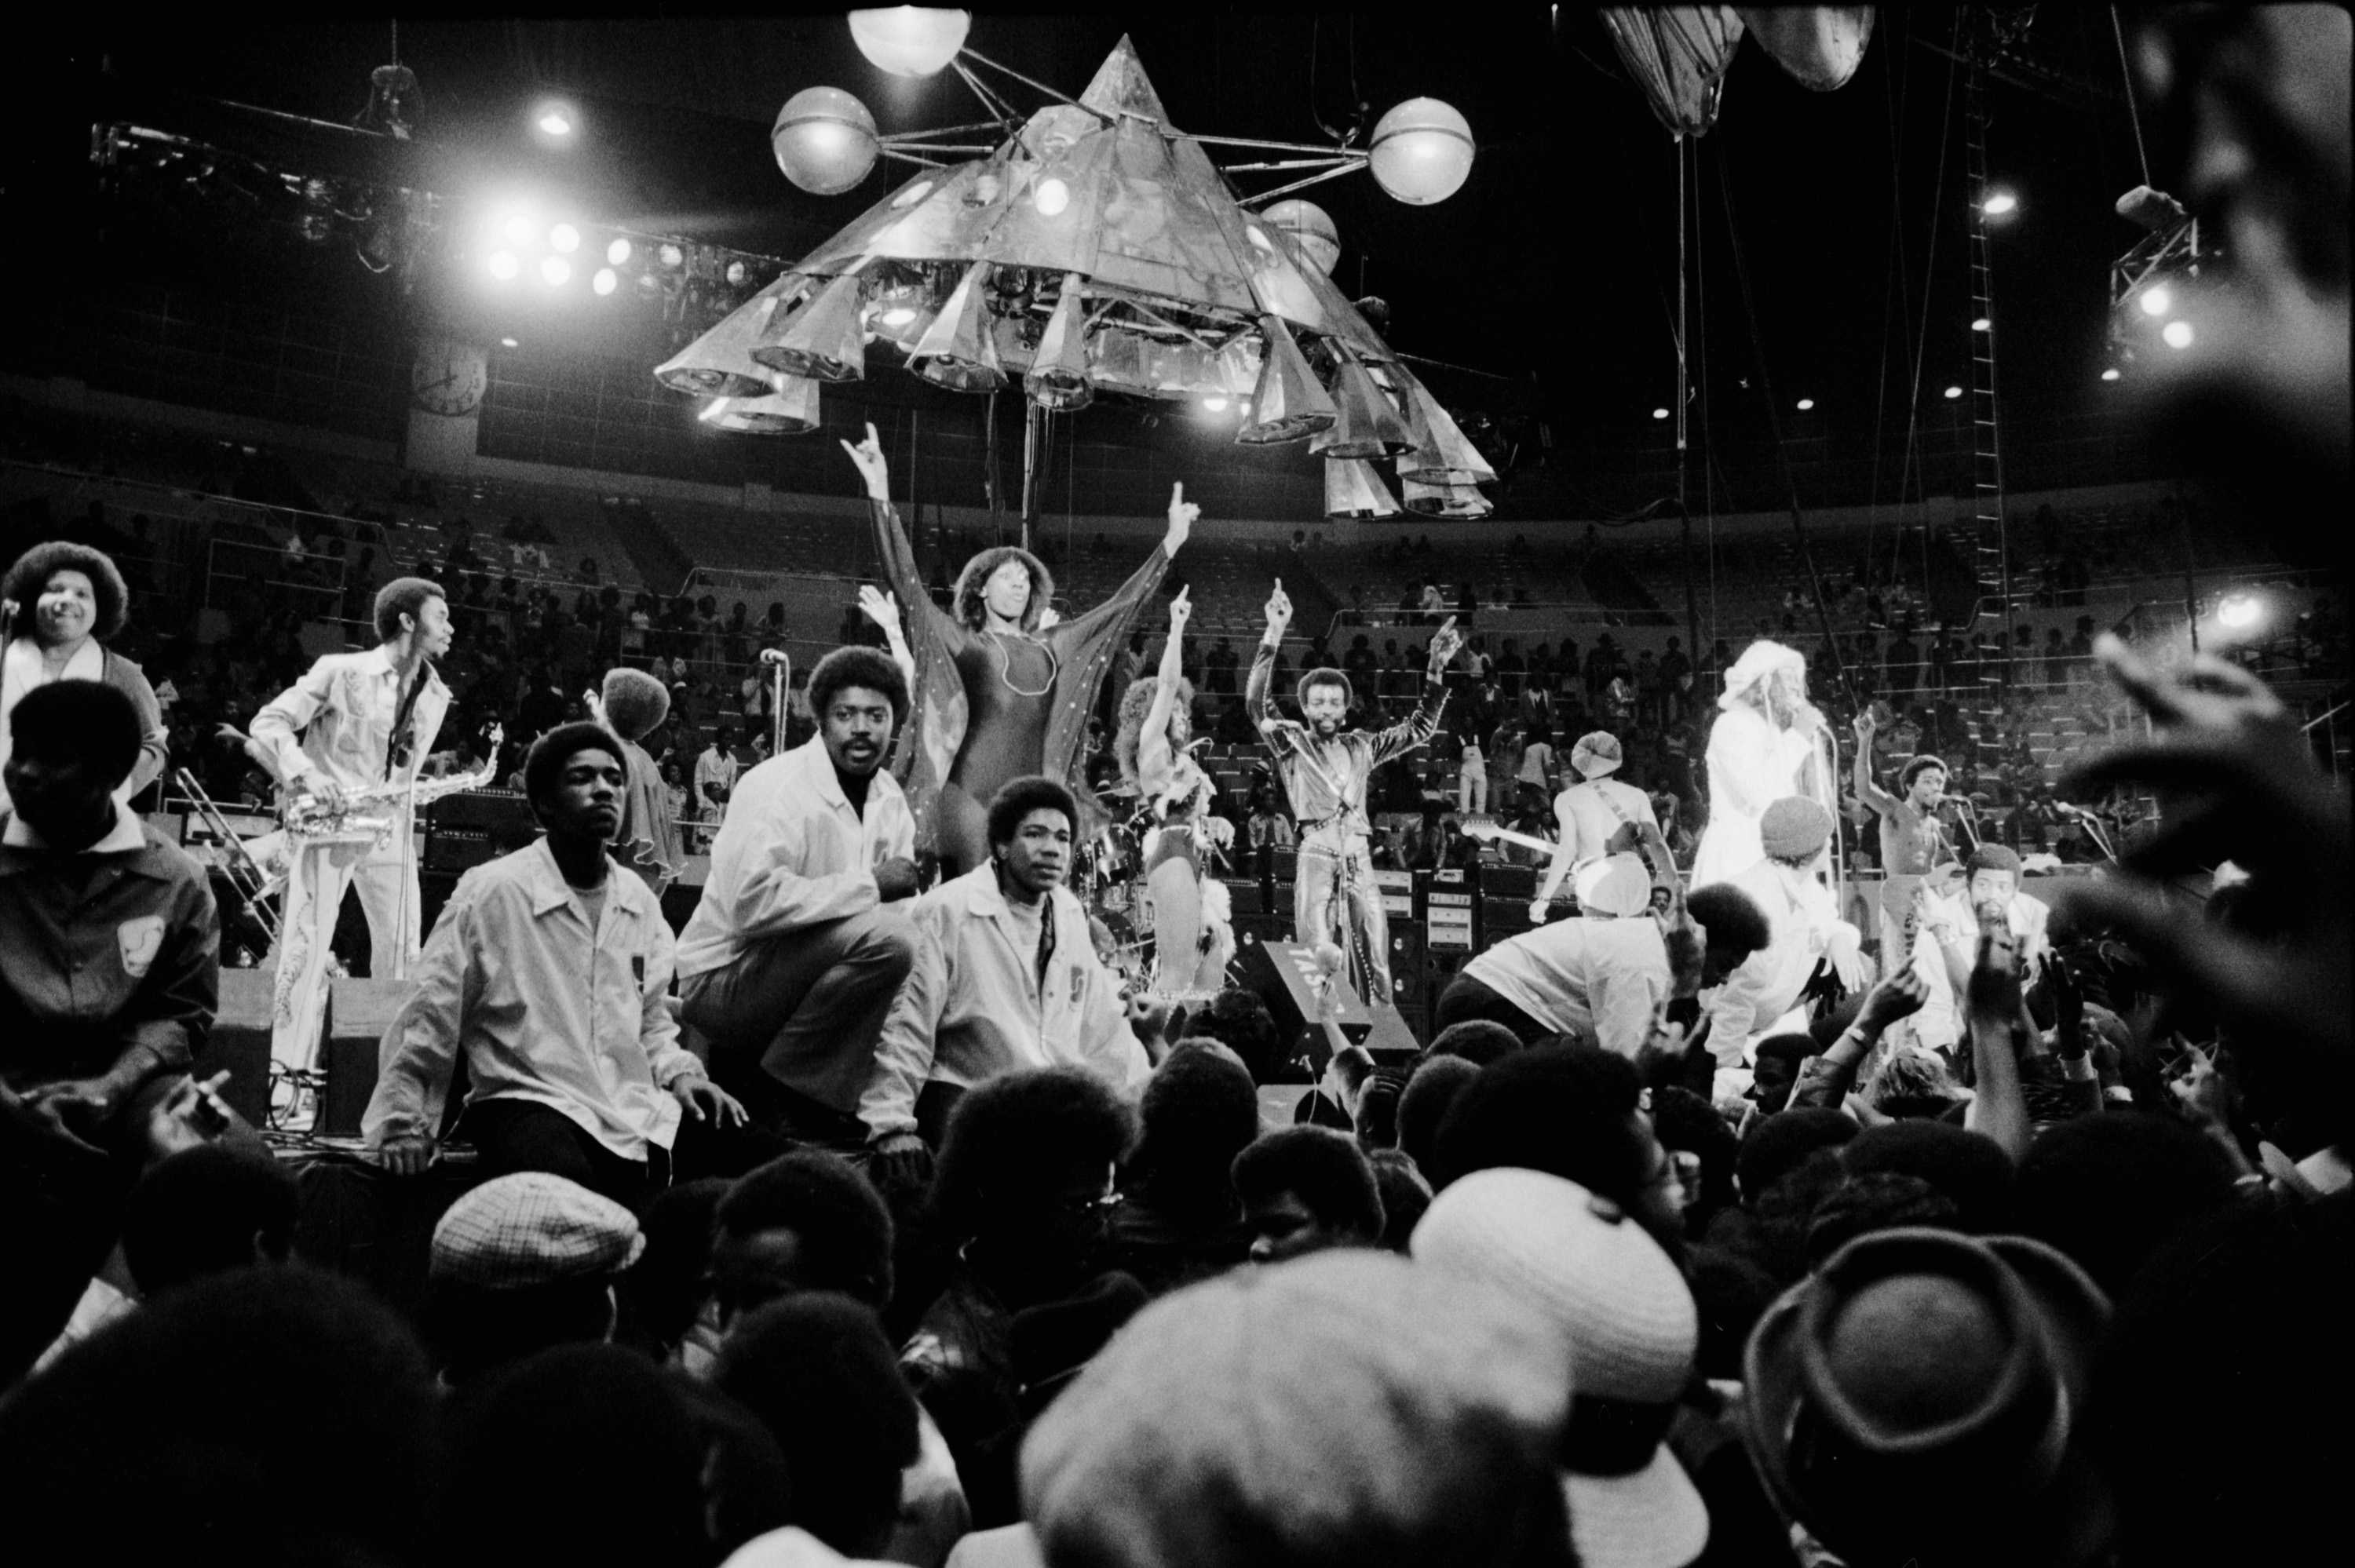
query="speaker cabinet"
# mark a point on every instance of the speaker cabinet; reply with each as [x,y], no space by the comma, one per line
[358,1014]
[240,1042]
[1285,975]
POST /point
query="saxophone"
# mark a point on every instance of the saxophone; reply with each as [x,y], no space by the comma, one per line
[370,816]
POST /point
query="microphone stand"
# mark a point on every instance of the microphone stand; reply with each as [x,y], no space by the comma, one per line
[780,675]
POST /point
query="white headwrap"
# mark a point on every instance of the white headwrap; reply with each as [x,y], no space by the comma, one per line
[1759,661]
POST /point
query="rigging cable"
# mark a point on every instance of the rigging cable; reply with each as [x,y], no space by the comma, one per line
[2134,111]
[1774,423]
[1898,93]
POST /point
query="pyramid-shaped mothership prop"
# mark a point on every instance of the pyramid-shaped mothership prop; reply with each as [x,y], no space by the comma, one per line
[1097,250]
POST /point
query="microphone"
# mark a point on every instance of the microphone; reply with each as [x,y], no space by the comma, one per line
[2067,809]
[774,656]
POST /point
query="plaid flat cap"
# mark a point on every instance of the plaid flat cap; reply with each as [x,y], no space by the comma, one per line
[532,1228]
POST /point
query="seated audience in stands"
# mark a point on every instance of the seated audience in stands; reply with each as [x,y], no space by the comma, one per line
[550,974]
[109,989]
[801,940]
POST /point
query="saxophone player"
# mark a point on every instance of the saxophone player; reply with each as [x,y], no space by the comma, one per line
[356,726]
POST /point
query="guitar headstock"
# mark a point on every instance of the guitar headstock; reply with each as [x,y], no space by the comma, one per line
[1480,829]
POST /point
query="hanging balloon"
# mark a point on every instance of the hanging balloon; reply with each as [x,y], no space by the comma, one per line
[1679,55]
[1422,152]
[1311,231]
[910,41]
[824,140]
[1819,45]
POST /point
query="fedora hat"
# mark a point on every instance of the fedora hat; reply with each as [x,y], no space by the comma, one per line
[1922,1399]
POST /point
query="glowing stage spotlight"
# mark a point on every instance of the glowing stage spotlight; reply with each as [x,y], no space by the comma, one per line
[564,239]
[2111,374]
[2176,334]
[670,256]
[1215,404]
[617,254]
[2238,610]
[897,317]
[504,265]
[1954,391]
[1999,203]
[606,280]
[1805,404]
[1982,324]
[509,343]
[556,270]
[555,121]
[516,229]
[2157,300]
[1659,413]
[1051,198]
[736,274]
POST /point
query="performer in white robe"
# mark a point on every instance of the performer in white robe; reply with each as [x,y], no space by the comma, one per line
[1768,743]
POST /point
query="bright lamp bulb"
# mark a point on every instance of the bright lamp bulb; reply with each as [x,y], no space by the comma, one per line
[554,122]
[1051,198]
[1954,391]
[617,254]
[564,239]
[606,280]
[516,229]
[1805,404]
[898,317]
[2001,202]
[1215,404]
[2176,334]
[1659,413]
[2111,374]
[504,265]
[670,255]
[2237,610]
[2157,300]
[555,270]
[1982,324]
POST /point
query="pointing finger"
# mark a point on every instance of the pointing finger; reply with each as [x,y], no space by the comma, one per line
[872,439]
[1178,492]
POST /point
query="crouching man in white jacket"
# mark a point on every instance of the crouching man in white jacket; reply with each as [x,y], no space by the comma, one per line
[1004,978]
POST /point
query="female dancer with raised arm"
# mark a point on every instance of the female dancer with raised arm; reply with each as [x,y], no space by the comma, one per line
[1002,690]
[1192,937]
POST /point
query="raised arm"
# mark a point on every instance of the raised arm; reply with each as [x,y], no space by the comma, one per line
[1420,725]
[1143,580]
[1263,670]
[1153,761]
[883,609]
[1867,790]
[891,542]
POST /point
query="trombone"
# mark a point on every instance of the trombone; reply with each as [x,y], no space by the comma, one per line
[236,862]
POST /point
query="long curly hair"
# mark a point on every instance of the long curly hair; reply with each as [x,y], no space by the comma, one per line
[1133,705]
[34,568]
[969,609]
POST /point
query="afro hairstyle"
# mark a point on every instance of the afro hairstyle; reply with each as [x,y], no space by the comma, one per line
[403,596]
[635,703]
[86,719]
[860,666]
[1020,797]
[544,765]
[36,567]
[968,608]
[1324,1168]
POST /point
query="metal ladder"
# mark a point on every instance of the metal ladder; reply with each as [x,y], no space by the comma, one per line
[1990,545]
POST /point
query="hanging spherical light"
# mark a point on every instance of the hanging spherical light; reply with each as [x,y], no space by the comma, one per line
[910,41]
[1422,152]
[824,140]
[1311,231]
